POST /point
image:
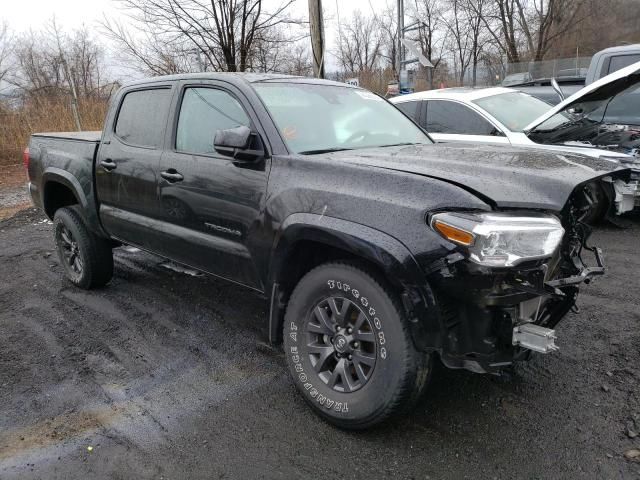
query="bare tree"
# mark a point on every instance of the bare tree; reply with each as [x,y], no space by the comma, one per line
[545,21]
[40,59]
[527,29]
[86,58]
[474,10]
[5,50]
[224,33]
[360,44]
[609,22]
[458,25]
[277,51]
[297,61]
[501,21]
[428,16]
[388,24]
[150,53]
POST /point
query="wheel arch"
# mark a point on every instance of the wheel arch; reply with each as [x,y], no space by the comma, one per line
[307,240]
[61,189]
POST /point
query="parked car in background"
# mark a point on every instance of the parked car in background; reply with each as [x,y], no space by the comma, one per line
[601,121]
[572,73]
[570,81]
[516,79]
[377,250]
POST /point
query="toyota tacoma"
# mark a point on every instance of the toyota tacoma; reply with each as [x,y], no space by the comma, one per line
[380,253]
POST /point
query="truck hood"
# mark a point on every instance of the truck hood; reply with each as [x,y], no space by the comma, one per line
[592,130]
[505,177]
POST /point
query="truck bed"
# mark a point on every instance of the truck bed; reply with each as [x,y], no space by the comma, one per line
[84,136]
[66,157]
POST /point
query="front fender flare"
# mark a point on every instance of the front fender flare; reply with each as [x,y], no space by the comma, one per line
[387,253]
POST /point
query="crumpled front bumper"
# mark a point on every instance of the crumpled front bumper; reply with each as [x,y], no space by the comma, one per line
[505,316]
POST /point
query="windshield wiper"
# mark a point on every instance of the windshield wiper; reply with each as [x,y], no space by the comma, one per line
[403,144]
[323,150]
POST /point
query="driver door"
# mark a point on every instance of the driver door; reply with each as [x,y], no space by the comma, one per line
[211,204]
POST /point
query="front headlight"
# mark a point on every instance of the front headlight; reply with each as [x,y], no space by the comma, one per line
[500,239]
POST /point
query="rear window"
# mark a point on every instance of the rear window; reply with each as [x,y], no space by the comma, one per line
[143,116]
[622,61]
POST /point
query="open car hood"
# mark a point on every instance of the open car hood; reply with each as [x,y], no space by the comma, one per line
[604,89]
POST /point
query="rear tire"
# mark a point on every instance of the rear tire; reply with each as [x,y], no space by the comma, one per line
[348,347]
[86,258]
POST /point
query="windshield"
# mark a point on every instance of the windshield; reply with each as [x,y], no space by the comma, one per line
[314,118]
[515,110]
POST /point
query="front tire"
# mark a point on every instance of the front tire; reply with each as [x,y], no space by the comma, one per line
[87,258]
[348,347]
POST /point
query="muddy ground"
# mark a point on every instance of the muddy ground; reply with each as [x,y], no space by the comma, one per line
[165,375]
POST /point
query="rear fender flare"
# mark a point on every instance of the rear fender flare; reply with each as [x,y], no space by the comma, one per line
[84,196]
[57,175]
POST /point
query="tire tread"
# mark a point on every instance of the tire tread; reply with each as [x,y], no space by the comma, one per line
[99,268]
[416,370]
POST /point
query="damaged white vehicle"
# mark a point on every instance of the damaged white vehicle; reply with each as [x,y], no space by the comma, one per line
[601,121]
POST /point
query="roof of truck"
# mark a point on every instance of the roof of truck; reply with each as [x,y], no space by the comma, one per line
[238,76]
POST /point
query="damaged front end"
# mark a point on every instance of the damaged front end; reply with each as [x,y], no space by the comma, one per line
[602,117]
[494,315]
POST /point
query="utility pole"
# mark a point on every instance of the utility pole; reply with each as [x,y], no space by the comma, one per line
[400,47]
[410,45]
[316,25]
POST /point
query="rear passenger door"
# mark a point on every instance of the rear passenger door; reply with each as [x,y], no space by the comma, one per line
[128,164]
[212,204]
[448,121]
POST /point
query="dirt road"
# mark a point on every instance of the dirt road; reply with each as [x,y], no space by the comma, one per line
[164,375]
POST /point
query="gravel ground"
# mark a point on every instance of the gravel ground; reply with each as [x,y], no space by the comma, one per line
[13,191]
[163,374]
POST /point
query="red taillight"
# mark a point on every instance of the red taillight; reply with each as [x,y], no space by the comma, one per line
[26,158]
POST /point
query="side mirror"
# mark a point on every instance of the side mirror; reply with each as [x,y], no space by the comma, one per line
[236,143]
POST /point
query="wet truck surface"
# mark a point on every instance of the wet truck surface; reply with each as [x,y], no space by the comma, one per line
[378,253]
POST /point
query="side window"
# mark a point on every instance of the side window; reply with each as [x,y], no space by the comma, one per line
[203,112]
[622,61]
[143,116]
[410,109]
[451,117]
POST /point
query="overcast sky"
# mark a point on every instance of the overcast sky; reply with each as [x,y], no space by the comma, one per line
[23,15]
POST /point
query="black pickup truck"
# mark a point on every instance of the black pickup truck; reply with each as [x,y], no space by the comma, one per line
[379,251]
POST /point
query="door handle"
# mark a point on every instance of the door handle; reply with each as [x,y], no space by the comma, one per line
[172,175]
[108,164]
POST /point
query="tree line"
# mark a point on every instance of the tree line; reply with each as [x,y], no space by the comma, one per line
[467,41]
[160,37]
